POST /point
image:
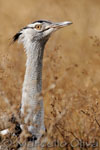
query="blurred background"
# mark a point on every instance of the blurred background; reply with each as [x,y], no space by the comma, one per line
[71,65]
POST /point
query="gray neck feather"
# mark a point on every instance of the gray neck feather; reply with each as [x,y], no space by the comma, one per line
[32,104]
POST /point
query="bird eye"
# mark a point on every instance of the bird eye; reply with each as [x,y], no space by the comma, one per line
[38,27]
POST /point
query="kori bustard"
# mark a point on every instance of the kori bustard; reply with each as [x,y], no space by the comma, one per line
[34,37]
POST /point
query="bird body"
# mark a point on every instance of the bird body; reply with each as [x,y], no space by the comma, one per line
[34,37]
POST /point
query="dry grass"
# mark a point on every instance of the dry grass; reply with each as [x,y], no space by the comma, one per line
[71,73]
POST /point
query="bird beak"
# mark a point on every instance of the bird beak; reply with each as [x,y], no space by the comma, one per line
[61,24]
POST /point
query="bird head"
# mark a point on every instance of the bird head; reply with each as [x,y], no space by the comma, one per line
[38,31]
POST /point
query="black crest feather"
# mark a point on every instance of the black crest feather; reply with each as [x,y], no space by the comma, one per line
[16,36]
[41,21]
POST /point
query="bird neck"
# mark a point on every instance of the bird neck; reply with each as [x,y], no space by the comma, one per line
[32,87]
[33,75]
[32,103]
